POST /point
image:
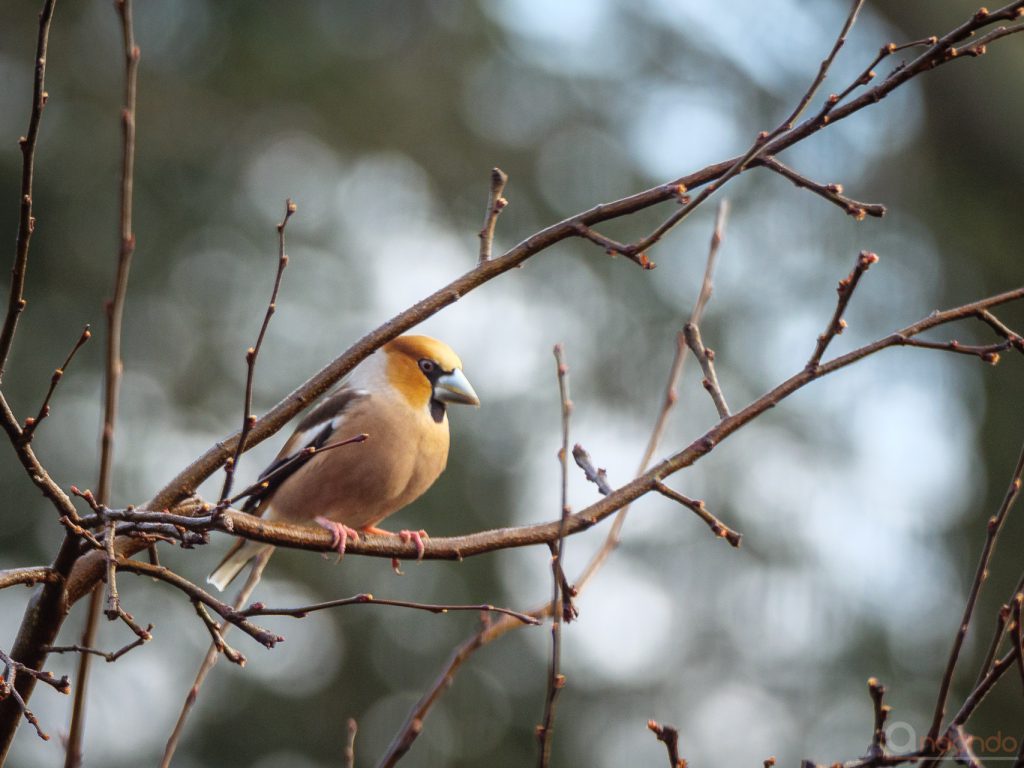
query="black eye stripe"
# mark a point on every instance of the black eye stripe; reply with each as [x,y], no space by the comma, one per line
[431,369]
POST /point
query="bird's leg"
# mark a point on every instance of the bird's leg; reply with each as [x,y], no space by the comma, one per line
[340,533]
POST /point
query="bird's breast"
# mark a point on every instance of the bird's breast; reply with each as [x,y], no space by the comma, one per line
[361,484]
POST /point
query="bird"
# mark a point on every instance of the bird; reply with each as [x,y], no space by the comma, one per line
[398,398]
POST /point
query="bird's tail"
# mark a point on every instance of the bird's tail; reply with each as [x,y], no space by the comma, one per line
[240,555]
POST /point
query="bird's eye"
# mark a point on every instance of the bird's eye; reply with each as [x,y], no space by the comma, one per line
[427,366]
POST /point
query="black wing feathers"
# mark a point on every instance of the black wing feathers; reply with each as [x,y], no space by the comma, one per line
[284,467]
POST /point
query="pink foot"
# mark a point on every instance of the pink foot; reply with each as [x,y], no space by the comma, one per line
[417,538]
[340,533]
[406,536]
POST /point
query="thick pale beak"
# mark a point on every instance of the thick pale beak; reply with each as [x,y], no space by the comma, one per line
[454,387]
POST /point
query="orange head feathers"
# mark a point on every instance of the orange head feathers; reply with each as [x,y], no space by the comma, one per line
[426,372]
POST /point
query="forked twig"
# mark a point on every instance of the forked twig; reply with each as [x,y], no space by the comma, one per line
[995,524]
[561,597]
[32,423]
[495,205]
[706,358]
[16,302]
[668,736]
[251,354]
[831,192]
[717,527]
[845,290]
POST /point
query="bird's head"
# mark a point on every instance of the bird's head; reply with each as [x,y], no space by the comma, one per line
[427,373]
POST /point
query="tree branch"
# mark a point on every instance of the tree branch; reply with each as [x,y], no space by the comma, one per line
[26,221]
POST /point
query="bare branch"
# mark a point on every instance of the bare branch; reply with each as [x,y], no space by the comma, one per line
[39,574]
[108,656]
[113,373]
[27,221]
[594,474]
[1002,329]
[561,596]
[215,634]
[199,595]
[258,609]
[995,524]
[988,353]
[31,424]
[706,358]
[495,205]
[717,527]
[831,192]
[877,691]
[845,290]
[248,419]
[669,736]
[9,688]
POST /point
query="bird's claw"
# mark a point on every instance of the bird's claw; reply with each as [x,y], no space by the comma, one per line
[417,538]
[340,533]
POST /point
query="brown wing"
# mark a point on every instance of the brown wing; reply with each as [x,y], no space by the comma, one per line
[315,430]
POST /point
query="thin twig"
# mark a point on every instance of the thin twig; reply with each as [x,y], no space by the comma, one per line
[831,192]
[258,609]
[12,667]
[216,636]
[980,46]
[210,660]
[706,358]
[1002,329]
[251,354]
[869,72]
[668,736]
[114,363]
[32,423]
[26,221]
[108,656]
[717,527]
[1002,617]
[988,353]
[613,247]
[9,689]
[845,290]
[1018,634]
[597,475]
[561,600]
[995,524]
[495,205]
[877,691]
[113,608]
[194,592]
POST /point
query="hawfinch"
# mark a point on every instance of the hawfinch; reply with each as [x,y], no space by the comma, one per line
[397,396]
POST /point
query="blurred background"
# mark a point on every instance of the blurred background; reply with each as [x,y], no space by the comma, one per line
[862,500]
